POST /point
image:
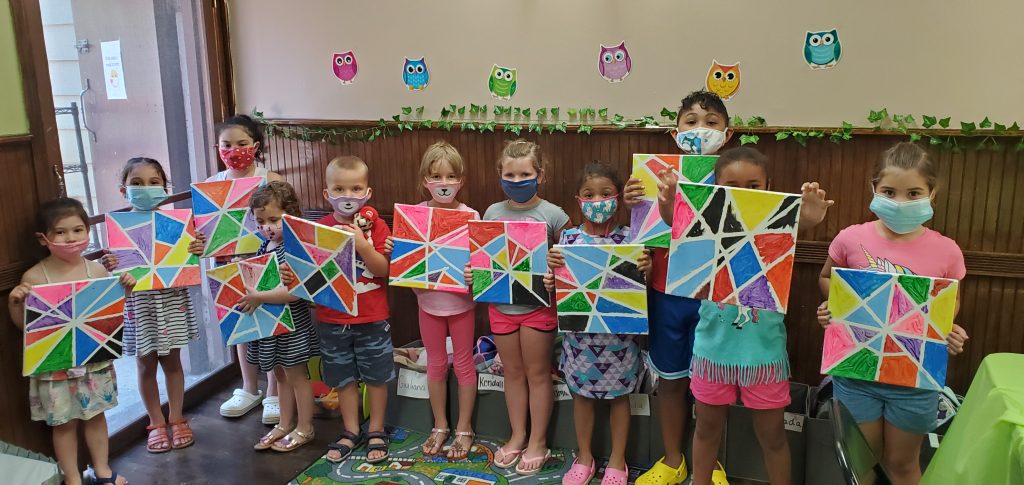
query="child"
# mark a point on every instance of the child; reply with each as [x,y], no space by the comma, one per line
[586,354]
[741,350]
[81,394]
[892,418]
[284,355]
[358,347]
[525,334]
[442,314]
[239,145]
[157,323]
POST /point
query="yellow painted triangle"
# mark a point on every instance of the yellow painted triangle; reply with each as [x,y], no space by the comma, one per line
[329,239]
[39,349]
[223,273]
[943,308]
[636,300]
[248,245]
[179,253]
[502,258]
[753,206]
[146,283]
[841,300]
[523,277]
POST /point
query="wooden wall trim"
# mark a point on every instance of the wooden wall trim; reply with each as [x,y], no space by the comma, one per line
[1001,265]
[15,139]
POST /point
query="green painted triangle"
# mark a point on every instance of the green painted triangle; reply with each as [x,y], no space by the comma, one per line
[861,365]
[417,270]
[696,168]
[576,303]
[271,278]
[227,230]
[697,194]
[523,265]
[916,286]
[60,357]
[615,259]
[661,241]
[238,215]
[481,281]
[330,269]
[595,284]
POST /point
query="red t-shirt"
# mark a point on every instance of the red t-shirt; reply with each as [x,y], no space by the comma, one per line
[659,269]
[371,289]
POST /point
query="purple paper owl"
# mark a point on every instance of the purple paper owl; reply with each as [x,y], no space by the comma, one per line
[345,67]
[614,63]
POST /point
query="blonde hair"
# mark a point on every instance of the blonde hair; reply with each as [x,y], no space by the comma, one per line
[519,149]
[906,156]
[348,162]
[440,151]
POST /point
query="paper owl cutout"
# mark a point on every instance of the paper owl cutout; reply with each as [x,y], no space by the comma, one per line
[415,74]
[614,63]
[345,67]
[723,79]
[822,49]
[502,82]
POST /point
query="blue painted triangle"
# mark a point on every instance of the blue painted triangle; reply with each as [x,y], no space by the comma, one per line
[202,205]
[605,305]
[167,230]
[456,256]
[404,247]
[167,274]
[625,324]
[584,272]
[863,317]
[876,344]
[84,346]
[98,294]
[265,319]
[595,325]
[494,246]
[864,282]
[880,303]
[292,245]
[227,327]
[131,219]
[329,298]
[499,292]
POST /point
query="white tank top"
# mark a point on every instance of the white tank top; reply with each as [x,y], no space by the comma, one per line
[260,172]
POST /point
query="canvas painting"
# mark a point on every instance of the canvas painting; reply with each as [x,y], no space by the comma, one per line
[601,290]
[431,248]
[732,245]
[645,220]
[323,259]
[227,285]
[73,324]
[509,261]
[153,247]
[889,328]
[222,214]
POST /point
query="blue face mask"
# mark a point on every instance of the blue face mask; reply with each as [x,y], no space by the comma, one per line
[902,217]
[521,191]
[599,211]
[145,197]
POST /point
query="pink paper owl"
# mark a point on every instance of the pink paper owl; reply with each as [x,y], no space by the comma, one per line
[345,67]
[614,62]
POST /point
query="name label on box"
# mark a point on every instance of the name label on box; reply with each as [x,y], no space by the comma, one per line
[562,392]
[490,382]
[794,422]
[640,404]
[412,384]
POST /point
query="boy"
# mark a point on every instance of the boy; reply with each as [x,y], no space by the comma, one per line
[358,347]
[702,128]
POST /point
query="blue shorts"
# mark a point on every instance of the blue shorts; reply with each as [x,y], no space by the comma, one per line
[360,351]
[909,409]
[673,320]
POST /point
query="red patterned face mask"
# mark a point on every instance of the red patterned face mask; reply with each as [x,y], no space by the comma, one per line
[239,158]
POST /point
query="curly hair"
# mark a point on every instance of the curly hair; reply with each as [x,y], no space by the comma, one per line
[277,192]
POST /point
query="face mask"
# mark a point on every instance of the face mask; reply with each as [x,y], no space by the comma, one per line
[601,210]
[902,217]
[145,197]
[70,252]
[520,192]
[271,232]
[347,206]
[238,158]
[443,192]
[700,141]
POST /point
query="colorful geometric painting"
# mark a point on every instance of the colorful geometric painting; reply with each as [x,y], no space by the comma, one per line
[227,285]
[431,248]
[732,245]
[153,247]
[324,260]
[648,228]
[601,290]
[889,328]
[222,214]
[509,261]
[72,324]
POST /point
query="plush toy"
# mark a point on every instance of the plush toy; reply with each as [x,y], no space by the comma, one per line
[364,219]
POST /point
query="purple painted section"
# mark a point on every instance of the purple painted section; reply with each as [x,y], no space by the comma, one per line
[862,334]
[912,345]
[142,236]
[214,286]
[46,321]
[129,258]
[618,283]
[343,261]
[66,308]
[37,304]
[249,222]
[757,295]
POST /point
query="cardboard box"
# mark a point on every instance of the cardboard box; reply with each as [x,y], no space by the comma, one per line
[821,466]
[742,439]
[408,406]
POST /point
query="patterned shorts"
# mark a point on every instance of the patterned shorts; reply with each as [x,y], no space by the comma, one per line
[360,351]
[59,402]
[600,366]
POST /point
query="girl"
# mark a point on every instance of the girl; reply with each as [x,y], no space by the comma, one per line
[239,145]
[585,354]
[81,394]
[157,323]
[894,419]
[443,314]
[741,350]
[525,334]
[284,355]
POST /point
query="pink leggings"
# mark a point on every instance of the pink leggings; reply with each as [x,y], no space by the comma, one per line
[433,330]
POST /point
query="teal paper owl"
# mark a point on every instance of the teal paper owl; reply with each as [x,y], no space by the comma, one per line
[415,74]
[502,82]
[822,49]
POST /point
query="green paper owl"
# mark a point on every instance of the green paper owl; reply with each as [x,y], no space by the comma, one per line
[502,82]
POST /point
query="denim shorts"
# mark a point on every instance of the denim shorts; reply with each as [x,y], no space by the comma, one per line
[909,409]
[360,351]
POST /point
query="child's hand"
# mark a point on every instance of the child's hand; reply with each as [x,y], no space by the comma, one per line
[643,263]
[287,275]
[555,258]
[127,281]
[815,205]
[667,182]
[389,245]
[249,302]
[18,294]
[633,192]
[956,340]
[467,274]
[824,316]
[198,245]
[109,261]
[360,238]
[549,282]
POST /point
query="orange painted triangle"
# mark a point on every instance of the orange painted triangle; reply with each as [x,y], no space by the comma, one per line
[160,251]
[890,345]
[217,191]
[723,286]
[779,277]
[114,309]
[933,334]
[33,336]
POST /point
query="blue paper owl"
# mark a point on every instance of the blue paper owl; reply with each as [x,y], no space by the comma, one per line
[415,74]
[822,49]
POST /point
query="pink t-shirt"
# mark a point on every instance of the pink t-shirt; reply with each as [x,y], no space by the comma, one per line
[931,254]
[445,303]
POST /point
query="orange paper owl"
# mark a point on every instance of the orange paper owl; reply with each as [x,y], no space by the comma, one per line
[723,79]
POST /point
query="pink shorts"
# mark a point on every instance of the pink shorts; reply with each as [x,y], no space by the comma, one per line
[543,319]
[756,396]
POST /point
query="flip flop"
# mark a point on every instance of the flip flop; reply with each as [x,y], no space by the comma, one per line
[371,447]
[501,453]
[345,450]
[531,461]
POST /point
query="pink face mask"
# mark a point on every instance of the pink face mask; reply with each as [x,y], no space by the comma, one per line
[238,158]
[443,192]
[69,252]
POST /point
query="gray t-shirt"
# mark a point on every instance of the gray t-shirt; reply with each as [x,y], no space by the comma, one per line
[550,214]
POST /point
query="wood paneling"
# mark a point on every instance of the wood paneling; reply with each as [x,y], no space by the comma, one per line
[978,205]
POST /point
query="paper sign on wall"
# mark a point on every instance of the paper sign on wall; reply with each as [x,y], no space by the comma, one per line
[113,69]
[412,384]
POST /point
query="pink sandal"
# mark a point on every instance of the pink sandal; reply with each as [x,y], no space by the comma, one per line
[579,474]
[613,476]
[510,457]
[539,461]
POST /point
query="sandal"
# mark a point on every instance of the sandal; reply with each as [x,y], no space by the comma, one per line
[343,449]
[435,441]
[268,439]
[292,441]
[90,478]
[371,447]
[512,457]
[181,435]
[458,452]
[613,476]
[537,460]
[580,474]
[158,442]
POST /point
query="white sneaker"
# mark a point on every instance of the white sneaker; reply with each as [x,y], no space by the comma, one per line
[241,402]
[271,410]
